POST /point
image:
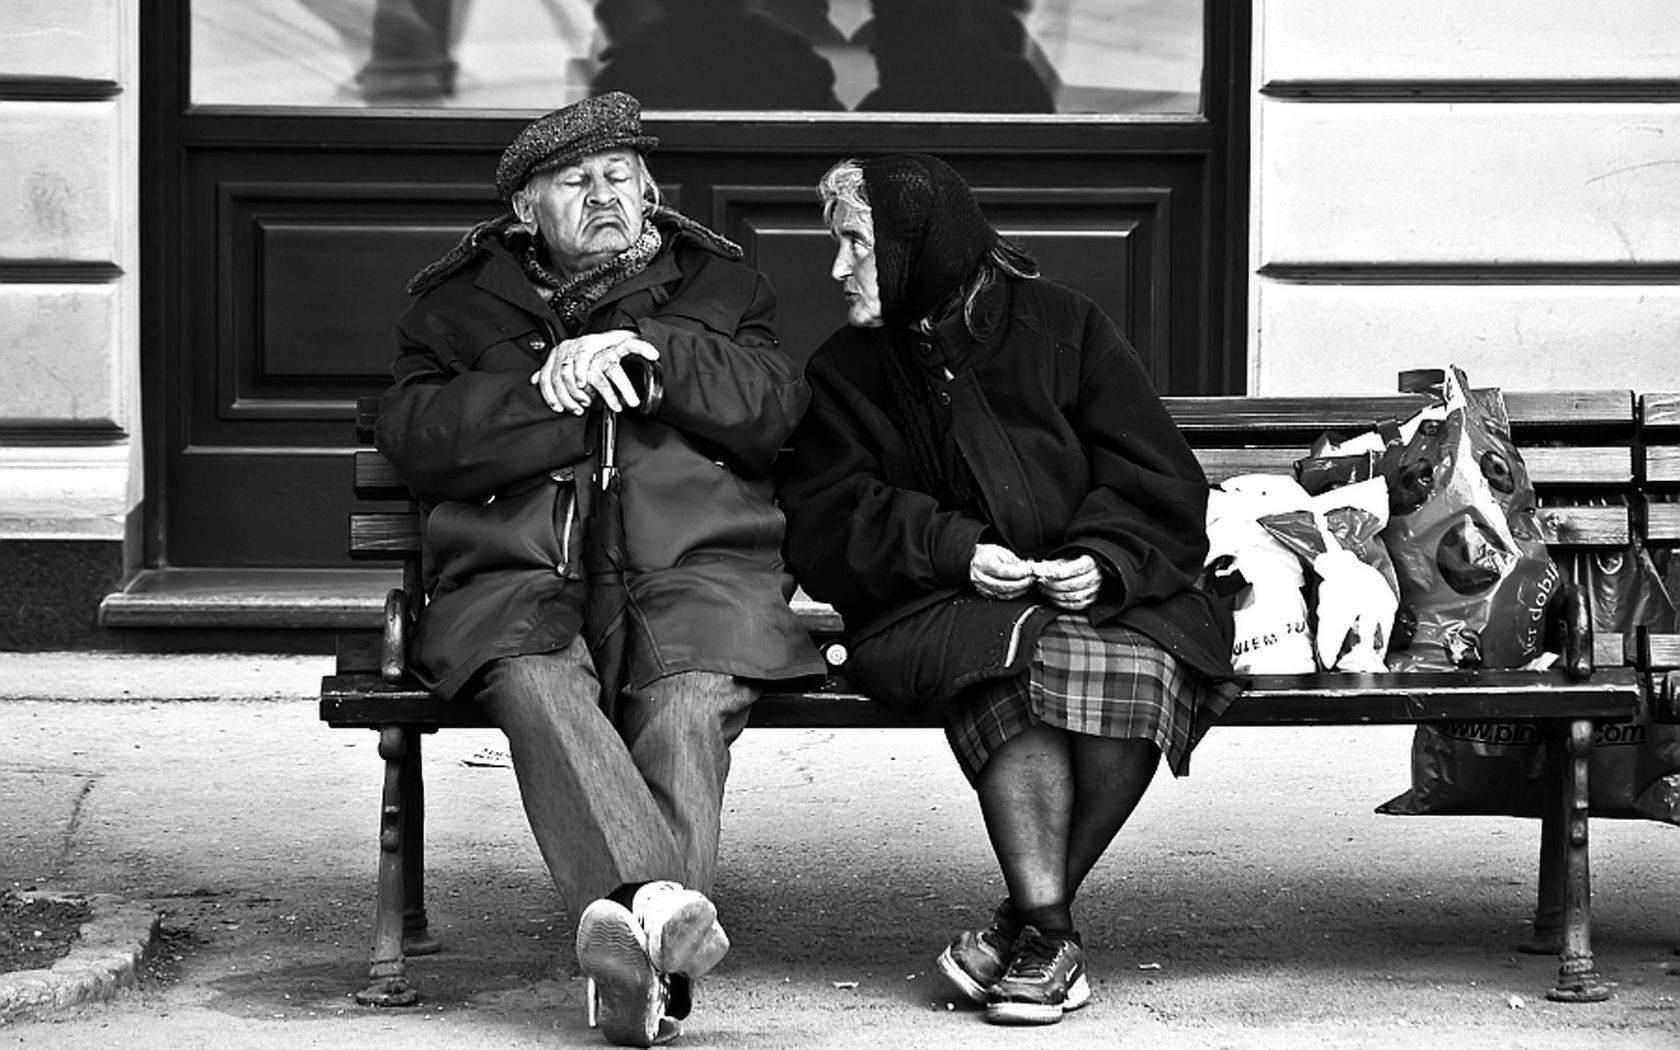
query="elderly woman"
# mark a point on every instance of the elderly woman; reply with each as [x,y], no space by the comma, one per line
[990,492]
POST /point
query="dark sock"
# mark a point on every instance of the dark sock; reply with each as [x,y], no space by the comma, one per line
[626,893]
[1049,918]
[1008,922]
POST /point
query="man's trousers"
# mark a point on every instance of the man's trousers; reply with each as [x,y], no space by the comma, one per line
[614,805]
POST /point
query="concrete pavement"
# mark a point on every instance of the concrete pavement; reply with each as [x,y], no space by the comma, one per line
[1257,903]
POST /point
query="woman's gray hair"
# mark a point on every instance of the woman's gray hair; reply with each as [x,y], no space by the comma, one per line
[842,187]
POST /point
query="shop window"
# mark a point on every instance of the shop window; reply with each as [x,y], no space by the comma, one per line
[1110,57]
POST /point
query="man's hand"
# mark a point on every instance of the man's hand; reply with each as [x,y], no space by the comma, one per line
[1069,583]
[997,572]
[579,370]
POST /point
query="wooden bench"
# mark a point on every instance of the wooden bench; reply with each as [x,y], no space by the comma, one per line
[1582,449]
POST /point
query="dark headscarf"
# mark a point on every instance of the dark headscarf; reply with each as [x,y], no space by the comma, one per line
[930,238]
[929,233]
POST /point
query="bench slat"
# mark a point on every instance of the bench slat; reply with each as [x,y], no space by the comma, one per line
[1578,464]
[1662,652]
[1607,465]
[376,478]
[1586,525]
[1563,409]
[1662,524]
[388,535]
[1660,410]
[1433,696]
[1318,699]
[1662,464]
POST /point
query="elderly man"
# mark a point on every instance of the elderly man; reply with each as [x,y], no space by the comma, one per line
[519,336]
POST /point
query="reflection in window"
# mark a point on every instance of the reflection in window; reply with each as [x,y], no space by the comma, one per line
[876,56]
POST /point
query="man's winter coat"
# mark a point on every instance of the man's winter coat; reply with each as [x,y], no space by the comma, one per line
[1072,452]
[500,475]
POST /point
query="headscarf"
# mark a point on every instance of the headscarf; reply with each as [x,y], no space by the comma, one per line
[930,238]
[930,235]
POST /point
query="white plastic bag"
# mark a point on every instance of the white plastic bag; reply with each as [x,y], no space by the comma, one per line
[1339,535]
[1270,613]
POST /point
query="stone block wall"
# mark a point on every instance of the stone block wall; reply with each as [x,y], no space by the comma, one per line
[70,481]
[1487,184]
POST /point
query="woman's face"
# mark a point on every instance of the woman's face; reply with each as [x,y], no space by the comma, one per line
[854,266]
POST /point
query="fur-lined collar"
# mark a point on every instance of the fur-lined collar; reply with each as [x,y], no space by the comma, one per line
[672,223]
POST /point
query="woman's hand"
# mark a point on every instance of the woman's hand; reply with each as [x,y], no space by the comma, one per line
[1069,583]
[578,370]
[997,572]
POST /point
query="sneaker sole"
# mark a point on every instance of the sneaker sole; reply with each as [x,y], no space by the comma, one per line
[1012,1012]
[610,953]
[959,977]
[691,942]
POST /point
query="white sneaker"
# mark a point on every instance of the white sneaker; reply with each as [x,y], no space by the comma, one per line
[626,996]
[683,934]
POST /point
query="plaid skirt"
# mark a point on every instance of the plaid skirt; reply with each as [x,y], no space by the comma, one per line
[1105,681]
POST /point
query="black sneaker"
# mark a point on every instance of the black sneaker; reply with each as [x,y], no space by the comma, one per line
[1045,979]
[975,959]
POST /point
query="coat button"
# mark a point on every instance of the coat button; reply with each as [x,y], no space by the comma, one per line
[944,398]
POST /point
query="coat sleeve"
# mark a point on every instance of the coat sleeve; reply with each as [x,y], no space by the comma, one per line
[1145,516]
[727,382]
[854,539]
[455,433]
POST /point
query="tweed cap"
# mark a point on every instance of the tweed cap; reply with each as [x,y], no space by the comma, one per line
[566,135]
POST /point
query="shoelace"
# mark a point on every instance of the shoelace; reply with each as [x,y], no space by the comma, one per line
[1035,956]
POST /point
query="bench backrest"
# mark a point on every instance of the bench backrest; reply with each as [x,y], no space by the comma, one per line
[1598,483]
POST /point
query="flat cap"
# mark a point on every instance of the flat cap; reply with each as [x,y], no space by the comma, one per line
[568,134]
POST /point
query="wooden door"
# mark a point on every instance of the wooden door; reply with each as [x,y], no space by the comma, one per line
[277,242]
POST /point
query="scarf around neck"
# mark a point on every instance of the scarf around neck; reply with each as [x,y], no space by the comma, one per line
[506,230]
[571,298]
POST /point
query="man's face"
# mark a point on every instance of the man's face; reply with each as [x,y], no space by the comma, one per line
[588,212]
[854,266]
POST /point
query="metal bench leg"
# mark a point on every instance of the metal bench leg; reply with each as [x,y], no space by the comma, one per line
[1578,980]
[1546,937]
[416,938]
[388,983]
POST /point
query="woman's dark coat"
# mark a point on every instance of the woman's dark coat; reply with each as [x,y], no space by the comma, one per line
[1072,451]
[500,474]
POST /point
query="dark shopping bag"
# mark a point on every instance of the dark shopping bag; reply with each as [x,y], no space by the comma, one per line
[1475,576]
[1495,767]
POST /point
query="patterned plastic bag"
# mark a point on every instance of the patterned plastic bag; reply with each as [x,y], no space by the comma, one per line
[1496,767]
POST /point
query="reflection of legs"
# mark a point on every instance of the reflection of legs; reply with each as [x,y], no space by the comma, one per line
[594,820]
[679,730]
